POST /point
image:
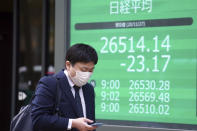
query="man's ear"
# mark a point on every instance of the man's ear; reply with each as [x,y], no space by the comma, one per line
[67,64]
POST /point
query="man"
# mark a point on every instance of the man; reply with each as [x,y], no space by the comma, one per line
[77,103]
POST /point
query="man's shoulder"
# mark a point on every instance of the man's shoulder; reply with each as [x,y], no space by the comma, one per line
[47,82]
[51,79]
[47,79]
[89,87]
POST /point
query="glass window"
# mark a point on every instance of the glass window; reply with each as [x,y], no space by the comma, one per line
[30,48]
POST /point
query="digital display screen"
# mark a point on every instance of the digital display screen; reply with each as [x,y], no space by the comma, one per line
[147,58]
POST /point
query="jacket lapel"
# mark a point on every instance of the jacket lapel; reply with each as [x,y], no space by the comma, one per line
[67,90]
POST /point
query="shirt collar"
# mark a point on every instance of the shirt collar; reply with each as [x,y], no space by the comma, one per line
[68,77]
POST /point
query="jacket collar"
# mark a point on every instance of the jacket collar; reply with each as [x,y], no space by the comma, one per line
[67,90]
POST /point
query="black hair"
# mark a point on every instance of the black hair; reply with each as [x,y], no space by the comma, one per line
[81,53]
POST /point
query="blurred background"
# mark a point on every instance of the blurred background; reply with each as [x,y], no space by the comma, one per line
[23,23]
[34,36]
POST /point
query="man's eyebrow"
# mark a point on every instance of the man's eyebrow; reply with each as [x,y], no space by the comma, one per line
[86,67]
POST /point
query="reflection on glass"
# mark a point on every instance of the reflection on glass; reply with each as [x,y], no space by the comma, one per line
[31,47]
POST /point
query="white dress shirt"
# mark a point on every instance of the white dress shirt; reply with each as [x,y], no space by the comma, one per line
[73,92]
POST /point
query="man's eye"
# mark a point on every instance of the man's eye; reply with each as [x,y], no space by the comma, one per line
[84,70]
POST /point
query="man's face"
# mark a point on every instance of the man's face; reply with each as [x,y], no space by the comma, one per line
[79,66]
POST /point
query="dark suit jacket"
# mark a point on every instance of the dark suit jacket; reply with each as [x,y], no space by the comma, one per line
[44,101]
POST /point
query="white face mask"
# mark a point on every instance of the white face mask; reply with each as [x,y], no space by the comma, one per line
[81,78]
